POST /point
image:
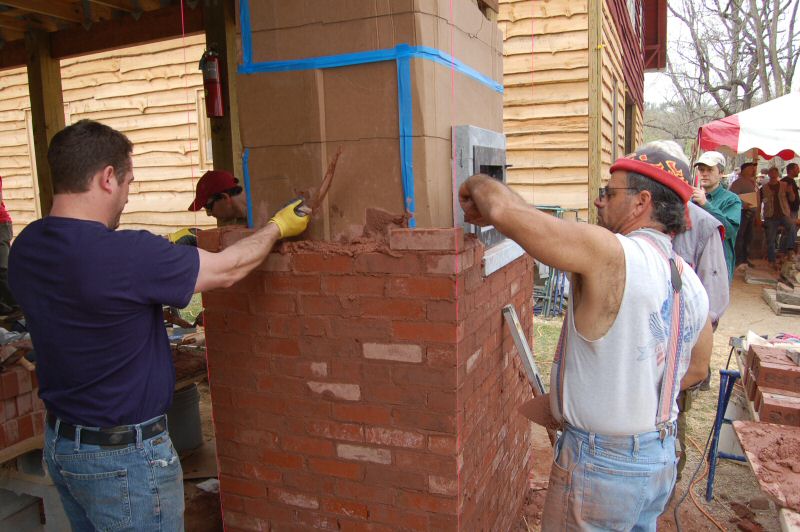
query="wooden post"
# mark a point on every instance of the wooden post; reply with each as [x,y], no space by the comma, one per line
[47,107]
[219,18]
[595,103]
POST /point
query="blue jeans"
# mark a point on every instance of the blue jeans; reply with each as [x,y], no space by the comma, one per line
[787,242]
[609,482]
[123,487]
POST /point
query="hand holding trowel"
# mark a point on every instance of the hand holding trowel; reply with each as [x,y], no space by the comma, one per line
[294,217]
[309,205]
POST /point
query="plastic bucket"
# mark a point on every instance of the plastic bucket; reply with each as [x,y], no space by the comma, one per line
[183,419]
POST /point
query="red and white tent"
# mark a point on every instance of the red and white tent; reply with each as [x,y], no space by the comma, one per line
[773,128]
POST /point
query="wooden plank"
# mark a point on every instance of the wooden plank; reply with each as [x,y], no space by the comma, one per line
[595,10]
[52,8]
[152,26]
[514,11]
[47,107]
[20,448]
[226,144]
[12,55]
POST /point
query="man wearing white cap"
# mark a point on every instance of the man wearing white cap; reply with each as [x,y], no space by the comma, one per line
[723,204]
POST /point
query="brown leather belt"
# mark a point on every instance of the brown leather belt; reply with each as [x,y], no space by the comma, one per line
[121,435]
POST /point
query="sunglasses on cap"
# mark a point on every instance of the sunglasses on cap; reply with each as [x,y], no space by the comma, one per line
[213,199]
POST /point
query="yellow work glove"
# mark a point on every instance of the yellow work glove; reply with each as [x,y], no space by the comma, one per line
[288,221]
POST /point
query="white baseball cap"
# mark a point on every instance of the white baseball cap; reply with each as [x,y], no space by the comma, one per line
[712,158]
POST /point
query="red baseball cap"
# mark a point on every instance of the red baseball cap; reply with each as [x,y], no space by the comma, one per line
[212,182]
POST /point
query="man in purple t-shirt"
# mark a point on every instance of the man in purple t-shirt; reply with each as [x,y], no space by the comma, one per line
[92,297]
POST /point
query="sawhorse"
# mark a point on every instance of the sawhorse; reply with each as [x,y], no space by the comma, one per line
[727,378]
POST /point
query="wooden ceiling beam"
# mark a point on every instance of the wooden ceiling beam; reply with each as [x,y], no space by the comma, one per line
[51,8]
[10,35]
[152,26]
[12,54]
[23,25]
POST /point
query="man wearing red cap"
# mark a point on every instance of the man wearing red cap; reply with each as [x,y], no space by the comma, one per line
[219,193]
[636,332]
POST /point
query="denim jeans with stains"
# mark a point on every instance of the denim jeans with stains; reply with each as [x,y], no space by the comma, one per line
[123,487]
[602,482]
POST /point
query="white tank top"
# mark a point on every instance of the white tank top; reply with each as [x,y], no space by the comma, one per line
[611,385]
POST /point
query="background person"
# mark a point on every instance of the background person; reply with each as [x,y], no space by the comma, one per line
[219,193]
[776,197]
[722,204]
[746,184]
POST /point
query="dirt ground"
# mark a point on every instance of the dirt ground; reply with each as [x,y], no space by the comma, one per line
[738,504]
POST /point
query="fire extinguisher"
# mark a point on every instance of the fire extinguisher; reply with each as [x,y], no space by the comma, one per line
[212,83]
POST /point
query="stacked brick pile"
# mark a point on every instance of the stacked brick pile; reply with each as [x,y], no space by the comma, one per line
[772,382]
[370,390]
[21,412]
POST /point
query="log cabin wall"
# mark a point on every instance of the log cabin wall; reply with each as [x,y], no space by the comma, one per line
[547,97]
[149,92]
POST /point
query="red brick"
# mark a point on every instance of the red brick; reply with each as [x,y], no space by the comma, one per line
[407,264]
[277,346]
[281,326]
[335,390]
[281,459]
[353,285]
[322,263]
[393,394]
[449,264]
[235,520]
[281,385]
[370,414]
[25,426]
[361,328]
[24,379]
[10,408]
[443,357]
[293,283]
[276,262]
[420,419]
[427,239]
[439,401]
[410,353]
[346,508]
[427,332]
[346,369]
[336,431]
[395,438]
[346,525]
[336,468]
[392,476]
[424,376]
[779,376]
[308,482]
[261,304]
[311,326]
[401,519]
[444,311]
[209,240]
[361,491]
[231,502]
[10,385]
[422,287]
[434,464]
[226,300]
[322,306]
[11,430]
[393,308]
[239,486]
[426,502]
[293,498]
[780,409]
[231,234]
[311,520]
[442,444]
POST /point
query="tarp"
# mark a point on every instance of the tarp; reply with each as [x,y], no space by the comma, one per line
[773,128]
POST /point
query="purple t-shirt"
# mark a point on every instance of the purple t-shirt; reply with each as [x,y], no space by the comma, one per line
[93,300]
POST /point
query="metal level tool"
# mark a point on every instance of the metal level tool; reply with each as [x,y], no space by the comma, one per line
[525,353]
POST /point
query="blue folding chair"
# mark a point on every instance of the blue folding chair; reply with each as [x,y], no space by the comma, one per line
[727,378]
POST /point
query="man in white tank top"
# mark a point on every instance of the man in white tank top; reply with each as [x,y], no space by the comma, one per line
[636,332]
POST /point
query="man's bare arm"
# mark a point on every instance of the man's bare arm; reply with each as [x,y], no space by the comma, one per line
[568,246]
[701,357]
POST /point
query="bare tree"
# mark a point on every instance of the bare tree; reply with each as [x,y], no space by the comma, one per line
[733,54]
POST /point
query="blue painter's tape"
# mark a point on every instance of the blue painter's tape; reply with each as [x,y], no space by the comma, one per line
[247,34]
[406,120]
[401,51]
[246,169]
